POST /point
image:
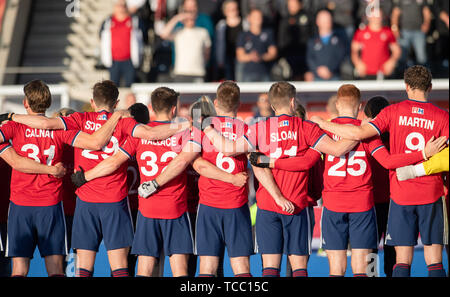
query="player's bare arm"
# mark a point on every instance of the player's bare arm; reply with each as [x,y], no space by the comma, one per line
[346,131]
[209,170]
[328,146]
[227,147]
[265,178]
[26,165]
[160,132]
[176,167]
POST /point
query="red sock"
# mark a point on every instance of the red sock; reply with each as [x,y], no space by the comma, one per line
[271,272]
[244,275]
[81,272]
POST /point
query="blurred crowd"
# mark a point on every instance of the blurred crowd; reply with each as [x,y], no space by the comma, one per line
[265,40]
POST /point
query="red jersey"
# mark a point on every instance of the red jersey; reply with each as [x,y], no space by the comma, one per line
[282,137]
[121,39]
[5,180]
[410,125]
[216,193]
[375,47]
[348,179]
[133,182]
[107,189]
[169,202]
[45,147]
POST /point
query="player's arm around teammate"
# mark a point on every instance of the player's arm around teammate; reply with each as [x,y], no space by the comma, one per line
[26,165]
[436,164]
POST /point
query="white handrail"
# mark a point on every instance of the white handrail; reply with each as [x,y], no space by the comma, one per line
[143,90]
[17,90]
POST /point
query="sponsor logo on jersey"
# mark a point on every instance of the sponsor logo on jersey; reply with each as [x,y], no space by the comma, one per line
[102,117]
[283,124]
[418,110]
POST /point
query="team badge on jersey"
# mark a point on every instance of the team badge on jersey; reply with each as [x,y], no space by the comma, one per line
[283,124]
[102,117]
[418,110]
[227,125]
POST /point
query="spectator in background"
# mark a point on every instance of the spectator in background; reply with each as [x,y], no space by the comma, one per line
[121,44]
[192,47]
[294,32]
[227,32]
[410,22]
[375,51]
[200,19]
[263,109]
[268,8]
[441,8]
[326,51]
[256,49]
[343,12]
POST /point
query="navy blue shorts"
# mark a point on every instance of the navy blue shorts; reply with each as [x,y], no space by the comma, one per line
[174,236]
[405,222]
[93,222]
[341,228]
[216,228]
[29,226]
[283,234]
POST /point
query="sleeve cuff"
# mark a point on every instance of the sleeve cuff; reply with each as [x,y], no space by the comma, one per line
[318,140]
[64,123]
[376,128]
[376,149]
[75,138]
[5,148]
[125,152]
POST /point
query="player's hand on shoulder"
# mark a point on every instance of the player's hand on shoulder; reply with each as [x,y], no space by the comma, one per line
[240,179]
[148,188]
[60,170]
[78,178]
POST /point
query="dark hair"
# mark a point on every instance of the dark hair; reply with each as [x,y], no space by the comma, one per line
[163,99]
[373,108]
[38,96]
[300,111]
[105,93]
[140,113]
[228,96]
[418,77]
[375,105]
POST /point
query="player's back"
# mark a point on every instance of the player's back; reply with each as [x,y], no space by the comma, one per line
[42,146]
[411,124]
[283,137]
[348,178]
[216,193]
[153,156]
[110,188]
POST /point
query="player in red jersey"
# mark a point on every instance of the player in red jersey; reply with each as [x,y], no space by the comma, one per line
[168,208]
[10,159]
[38,197]
[410,124]
[87,230]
